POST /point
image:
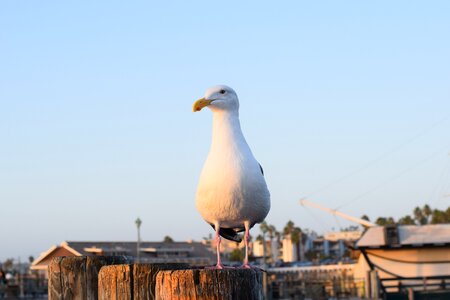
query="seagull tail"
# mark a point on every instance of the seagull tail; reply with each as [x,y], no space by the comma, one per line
[229,234]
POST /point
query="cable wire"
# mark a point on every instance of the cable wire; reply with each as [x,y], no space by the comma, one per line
[378,158]
[394,177]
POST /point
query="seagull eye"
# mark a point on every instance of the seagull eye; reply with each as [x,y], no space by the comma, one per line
[222,92]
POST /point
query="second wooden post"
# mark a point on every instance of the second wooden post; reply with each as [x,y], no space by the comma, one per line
[209,284]
[131,281]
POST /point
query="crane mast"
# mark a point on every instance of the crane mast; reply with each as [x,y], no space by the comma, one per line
[334,212]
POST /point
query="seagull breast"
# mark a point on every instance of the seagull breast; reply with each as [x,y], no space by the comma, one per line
[231,188]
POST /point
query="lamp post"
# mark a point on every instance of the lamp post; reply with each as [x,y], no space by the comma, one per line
[138,225]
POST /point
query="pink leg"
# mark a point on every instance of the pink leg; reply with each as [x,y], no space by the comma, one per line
[219,262]
[246,240]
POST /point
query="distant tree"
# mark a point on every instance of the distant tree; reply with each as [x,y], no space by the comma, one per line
[288,228]
[314,255]
[264,227]
[419,216]
[298,238]
[237,255]
[382,221]
[271,231]
[168,239]
[311,255]
[278,236]
[8,264]
[406,220]
[30,259]
[427,212]
[260,238]
[440,217]
[350,228]
[296,235]
[365,217]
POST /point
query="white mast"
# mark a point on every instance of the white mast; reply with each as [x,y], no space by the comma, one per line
[337,213]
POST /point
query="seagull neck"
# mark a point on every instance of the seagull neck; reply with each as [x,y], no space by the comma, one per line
[226,127]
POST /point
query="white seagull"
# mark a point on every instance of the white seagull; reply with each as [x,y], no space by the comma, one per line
[232,194]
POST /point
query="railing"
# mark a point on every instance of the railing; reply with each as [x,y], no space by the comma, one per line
[320,268]
[316,282]
[397,285]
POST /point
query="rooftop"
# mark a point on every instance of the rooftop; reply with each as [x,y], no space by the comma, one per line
[195,253]
[406,235]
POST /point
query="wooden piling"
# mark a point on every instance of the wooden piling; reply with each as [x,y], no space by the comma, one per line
[76,277]
[208,284]
[131,281]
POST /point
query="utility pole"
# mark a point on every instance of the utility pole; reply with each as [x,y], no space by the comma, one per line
[138,225]
[265,283]
[20,277]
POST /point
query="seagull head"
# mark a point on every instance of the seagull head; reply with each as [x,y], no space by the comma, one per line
[218,98]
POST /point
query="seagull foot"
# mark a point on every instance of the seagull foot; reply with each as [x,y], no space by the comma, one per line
[218,267]
[247,266]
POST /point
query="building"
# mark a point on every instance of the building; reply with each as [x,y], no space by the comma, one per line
[193,253]
[406,259]
[332,244]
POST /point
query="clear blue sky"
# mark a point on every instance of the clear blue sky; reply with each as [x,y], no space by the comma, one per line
[96,126]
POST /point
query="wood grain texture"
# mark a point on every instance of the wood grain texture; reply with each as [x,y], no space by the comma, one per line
[55,279]
[76,277]
[73,271]
[145,278]
[131,281]
[208,284]
[114,283]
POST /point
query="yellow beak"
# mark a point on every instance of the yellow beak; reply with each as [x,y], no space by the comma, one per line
[200,103]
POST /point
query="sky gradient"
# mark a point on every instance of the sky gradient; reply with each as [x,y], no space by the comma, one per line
[345,103]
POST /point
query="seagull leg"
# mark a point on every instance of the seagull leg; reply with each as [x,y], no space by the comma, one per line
[219,262]
[246,240]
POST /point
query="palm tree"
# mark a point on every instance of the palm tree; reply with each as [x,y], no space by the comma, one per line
[288,228]
[440,216]
[427,212]
[260,238]
[264,227]
[382,221]
[167,239]
[419,217]
[296,236]
[365,217]
[406,220]
[271,231]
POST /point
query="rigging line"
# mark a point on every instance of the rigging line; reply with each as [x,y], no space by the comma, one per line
[316,219]
[393,178]
[445,191]
[337,221]
[441,179]
[378,158]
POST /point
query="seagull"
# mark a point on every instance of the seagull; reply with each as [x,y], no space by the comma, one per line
[232,195]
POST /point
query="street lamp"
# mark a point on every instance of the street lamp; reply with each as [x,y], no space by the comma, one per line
[138,225]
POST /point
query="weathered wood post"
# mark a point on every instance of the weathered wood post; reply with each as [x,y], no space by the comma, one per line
[208,284]
[131,281]
[76,277]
